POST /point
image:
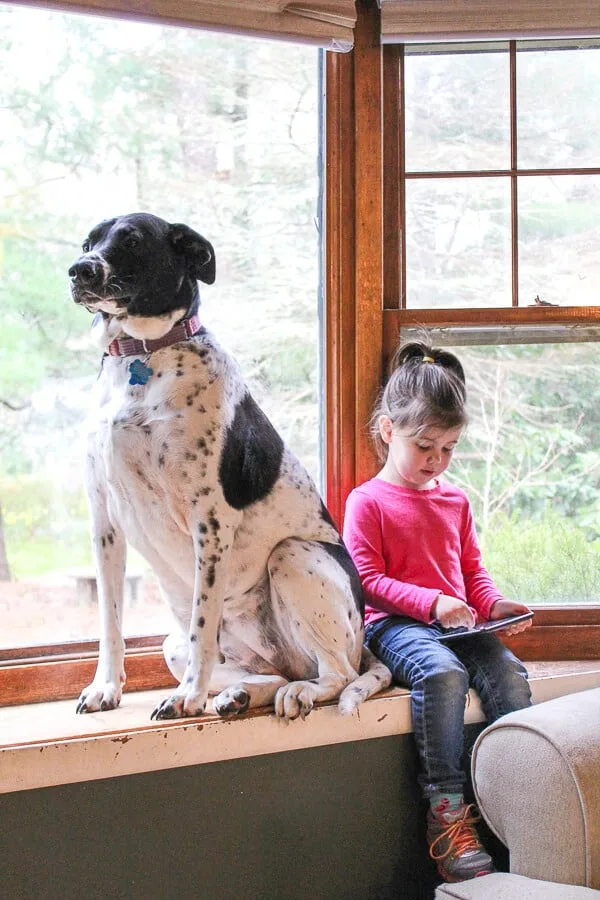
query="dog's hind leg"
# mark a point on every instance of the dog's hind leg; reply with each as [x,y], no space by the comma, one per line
[247,692]
[237,689]
[297,698]
[175,651]
[315,609]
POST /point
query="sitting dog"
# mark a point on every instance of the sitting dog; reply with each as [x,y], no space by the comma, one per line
[184,465]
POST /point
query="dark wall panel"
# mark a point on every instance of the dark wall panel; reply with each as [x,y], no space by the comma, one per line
[333,823]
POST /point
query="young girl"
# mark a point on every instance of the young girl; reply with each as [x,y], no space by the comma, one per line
[413,540]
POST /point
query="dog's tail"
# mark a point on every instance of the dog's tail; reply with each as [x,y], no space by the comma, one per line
[374,677]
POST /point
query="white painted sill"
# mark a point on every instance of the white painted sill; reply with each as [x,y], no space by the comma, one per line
[47,744]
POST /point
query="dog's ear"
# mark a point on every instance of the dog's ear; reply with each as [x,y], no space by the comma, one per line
[197,250]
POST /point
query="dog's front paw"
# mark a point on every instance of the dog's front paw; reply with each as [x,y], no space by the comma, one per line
[99,697]
[231,702]
[179,706]
[295,700]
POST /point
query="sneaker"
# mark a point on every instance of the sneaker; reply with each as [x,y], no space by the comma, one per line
[455,846]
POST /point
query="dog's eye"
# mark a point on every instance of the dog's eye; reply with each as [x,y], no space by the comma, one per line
[85,246]
[132,241]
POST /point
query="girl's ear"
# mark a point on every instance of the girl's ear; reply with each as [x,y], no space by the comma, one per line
[385,429]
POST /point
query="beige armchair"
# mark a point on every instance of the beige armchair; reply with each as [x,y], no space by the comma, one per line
[536,777]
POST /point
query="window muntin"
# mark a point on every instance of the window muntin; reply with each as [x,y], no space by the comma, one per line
[103,117]
[475,112]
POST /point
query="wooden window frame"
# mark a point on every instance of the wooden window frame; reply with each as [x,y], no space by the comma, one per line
[360,332]
[365,275]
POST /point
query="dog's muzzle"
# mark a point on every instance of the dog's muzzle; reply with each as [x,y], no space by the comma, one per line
[90,278]
[87,271]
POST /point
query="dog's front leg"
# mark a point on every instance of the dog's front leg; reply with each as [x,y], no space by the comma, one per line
[212,550]
[109,549]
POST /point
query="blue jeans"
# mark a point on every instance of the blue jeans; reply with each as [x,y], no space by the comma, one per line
[439,676]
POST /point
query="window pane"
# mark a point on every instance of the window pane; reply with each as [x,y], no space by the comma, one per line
[457,112]
[103,117]
[458,243]
[559,230]
[558,115]
[530,463]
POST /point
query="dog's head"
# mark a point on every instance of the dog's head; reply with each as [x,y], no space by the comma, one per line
[142,272]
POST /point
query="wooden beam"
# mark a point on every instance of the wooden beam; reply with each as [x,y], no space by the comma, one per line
[369,229]
[340,382]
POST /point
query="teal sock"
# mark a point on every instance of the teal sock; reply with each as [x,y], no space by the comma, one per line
[443,801]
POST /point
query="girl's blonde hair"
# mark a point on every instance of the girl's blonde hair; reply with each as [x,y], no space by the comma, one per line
[426,389]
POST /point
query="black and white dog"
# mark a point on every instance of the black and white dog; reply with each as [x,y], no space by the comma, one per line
[183,464]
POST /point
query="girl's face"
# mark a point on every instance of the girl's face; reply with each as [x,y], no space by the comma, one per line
[415,461]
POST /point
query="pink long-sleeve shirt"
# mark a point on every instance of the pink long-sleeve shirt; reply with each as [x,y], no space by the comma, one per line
[409,546]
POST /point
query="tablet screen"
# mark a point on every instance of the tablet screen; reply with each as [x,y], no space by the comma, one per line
[496,625]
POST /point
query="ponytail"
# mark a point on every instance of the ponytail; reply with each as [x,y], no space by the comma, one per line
[426,388]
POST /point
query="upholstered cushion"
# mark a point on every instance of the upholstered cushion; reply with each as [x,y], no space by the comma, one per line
[502,886]
[536,775]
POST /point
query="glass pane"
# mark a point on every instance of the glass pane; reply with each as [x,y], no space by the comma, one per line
[458,243]
[530,463]
[457,112]
[559,230]
[558,115]
[102,117]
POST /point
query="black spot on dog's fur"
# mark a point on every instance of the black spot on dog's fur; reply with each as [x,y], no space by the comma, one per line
[251,456]
[326,516]
[339,553]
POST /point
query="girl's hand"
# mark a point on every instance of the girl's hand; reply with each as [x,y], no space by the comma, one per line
[504,608]
[451,612]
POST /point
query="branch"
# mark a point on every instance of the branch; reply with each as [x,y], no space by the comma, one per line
[12,406]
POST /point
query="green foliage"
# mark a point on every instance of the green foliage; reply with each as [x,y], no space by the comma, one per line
[222,133]
[291,364]
[33,504]
[532,437]
[42,328]
[46,526]
[546,220]
[99,118]
[48,555]
[549,561]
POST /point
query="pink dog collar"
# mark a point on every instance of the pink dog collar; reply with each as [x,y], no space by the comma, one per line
[133,347]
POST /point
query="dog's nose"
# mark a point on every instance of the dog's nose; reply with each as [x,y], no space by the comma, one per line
[85,271]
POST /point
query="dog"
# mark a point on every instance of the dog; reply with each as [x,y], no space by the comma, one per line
[183,464]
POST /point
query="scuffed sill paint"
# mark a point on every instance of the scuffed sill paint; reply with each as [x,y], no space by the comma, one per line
[47,744]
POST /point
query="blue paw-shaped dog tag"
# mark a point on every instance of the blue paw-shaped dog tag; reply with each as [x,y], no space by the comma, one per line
[139,372]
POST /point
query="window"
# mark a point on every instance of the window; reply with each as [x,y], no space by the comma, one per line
[100,117]
[492,173]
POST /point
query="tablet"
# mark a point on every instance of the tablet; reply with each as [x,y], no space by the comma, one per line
[496,625]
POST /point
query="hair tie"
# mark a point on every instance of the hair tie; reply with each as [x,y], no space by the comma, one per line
[428,359]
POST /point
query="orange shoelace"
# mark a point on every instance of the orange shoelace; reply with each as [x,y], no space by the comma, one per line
[461,835]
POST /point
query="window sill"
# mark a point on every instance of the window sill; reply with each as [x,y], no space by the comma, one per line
[50,745]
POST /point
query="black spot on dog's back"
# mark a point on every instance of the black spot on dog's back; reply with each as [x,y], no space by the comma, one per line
[344,560]
[251,456]
[326,516]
